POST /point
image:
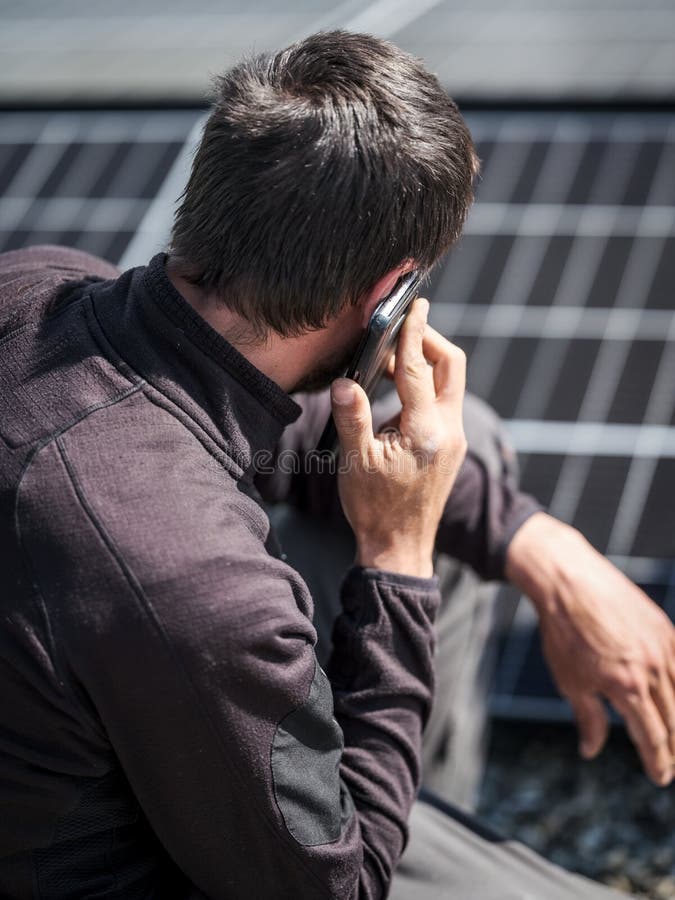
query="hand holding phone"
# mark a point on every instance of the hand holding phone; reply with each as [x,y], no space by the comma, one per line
[377,344]
[393,488]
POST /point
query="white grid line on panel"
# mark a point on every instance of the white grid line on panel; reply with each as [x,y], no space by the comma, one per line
[553,323]
[643,466]
[94,127]
[545,367]
[588,220]
[71,213]
[633,292]
[577,277]
[37,165]
[153,229]
[517,279]
[592,439]
[570,127]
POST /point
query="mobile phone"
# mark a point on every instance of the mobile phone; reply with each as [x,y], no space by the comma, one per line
[379,339]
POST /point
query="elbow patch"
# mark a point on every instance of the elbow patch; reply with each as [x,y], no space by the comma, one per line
[306,752]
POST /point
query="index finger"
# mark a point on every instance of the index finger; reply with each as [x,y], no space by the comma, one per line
[663,694]
[649,735]
[449,366]
[412,375]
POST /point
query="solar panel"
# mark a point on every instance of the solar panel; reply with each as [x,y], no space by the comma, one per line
[561,292]
[83,179]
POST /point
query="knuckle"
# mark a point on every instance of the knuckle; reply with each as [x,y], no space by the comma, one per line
[627,683]
[456,357]
[370,462]
[457,353]
[352,425]
[414,367]
[621,691]
[453,433]
[425,438]
[654,672]
[634,697]
[451,452]
[457,439]
[655,742]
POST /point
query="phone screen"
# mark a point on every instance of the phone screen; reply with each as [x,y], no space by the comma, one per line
[379,340]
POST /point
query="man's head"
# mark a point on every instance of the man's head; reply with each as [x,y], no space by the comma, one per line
[323,169]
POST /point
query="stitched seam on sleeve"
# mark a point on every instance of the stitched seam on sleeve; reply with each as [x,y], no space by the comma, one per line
[39,600]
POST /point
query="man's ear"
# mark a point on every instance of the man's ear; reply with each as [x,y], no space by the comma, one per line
[381,288]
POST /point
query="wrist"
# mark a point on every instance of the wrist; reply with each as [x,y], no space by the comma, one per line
[403,560]
[540,559]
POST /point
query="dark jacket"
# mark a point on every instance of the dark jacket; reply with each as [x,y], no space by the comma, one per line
[164,724]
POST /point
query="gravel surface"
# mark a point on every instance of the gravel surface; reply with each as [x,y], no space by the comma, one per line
[601,818]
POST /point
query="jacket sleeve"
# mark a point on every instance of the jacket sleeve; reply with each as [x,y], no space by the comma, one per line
[483,512]
[261,774]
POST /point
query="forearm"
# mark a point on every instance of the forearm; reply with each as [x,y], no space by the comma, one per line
[382,675]
[542,559]
[481,517]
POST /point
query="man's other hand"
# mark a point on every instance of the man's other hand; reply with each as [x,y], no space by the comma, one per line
[602,638]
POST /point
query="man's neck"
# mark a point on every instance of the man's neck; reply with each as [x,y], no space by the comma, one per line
[286,360]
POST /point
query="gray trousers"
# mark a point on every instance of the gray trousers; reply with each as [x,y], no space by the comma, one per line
[449,854]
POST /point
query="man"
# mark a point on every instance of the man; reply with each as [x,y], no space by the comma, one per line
[166,728]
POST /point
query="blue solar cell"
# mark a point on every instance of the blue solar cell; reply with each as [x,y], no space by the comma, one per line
[572,221]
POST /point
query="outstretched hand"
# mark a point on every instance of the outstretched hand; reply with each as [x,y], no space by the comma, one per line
[603,639]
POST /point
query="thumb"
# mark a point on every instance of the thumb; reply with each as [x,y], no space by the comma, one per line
[592,722]
[351,414]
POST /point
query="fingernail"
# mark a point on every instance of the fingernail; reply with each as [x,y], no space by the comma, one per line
[342,391]
[586,750]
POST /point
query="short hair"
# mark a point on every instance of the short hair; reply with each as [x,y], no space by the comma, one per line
[321,168]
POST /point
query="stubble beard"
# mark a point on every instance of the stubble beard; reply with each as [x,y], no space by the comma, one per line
[324,374]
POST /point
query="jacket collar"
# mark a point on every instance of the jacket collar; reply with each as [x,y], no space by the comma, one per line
[163,338]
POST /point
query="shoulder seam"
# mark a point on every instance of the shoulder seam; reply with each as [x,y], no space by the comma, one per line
[167,405]
[35,452]
[153,395]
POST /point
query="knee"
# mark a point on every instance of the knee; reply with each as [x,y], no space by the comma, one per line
[487,438]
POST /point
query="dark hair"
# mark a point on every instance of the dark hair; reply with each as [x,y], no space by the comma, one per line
[320,169]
